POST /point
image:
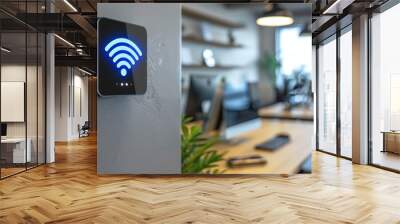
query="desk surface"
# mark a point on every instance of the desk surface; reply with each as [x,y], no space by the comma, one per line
[13,140]
[285,160]
[278,111]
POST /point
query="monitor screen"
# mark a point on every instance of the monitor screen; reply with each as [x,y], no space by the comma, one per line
[201,93]
[237,104]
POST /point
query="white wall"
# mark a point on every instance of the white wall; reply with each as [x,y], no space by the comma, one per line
[78,118]
[17,73]
[61,103]
[33,126]
[69,81]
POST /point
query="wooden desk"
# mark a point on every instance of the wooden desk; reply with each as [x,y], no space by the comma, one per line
[285,160]
[391,141]
[278,111]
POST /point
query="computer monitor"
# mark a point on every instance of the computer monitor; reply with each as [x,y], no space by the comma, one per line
[222,105]
[3,130]
[215,115]
[239,115]
[201,92]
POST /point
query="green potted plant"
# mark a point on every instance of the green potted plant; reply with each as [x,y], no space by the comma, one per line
[197,154]
[268,91]
[269,64]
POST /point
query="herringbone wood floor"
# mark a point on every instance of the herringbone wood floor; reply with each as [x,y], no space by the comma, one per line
[69,191]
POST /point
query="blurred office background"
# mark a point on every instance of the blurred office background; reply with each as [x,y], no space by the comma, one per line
[246,72]
[276,58]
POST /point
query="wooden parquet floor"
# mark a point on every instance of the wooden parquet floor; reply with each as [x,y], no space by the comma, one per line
[70,191]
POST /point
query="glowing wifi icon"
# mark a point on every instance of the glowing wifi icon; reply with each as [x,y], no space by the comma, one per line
[124,54]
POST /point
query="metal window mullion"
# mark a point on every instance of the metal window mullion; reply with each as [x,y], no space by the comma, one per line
[338,94]
[317,96]
[0,92]
[26,87]
[369,96]
[37,91]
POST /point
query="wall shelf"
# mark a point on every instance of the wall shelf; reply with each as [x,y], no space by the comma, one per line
[194,14]
[199,40]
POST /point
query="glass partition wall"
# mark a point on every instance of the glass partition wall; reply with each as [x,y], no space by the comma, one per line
[334,86]
[385,90]
[22,98]
[326,60]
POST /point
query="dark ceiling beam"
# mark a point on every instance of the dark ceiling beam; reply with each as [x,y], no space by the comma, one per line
[49,22]
[91,5]
[321,23]
[337,7]
[11,25]
[15,18]
[331,29]
[80,20]
[81,61]
[83,23]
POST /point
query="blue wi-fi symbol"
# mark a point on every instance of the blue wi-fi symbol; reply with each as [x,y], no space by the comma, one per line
[123,52]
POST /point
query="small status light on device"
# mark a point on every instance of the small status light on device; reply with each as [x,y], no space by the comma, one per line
[123,72]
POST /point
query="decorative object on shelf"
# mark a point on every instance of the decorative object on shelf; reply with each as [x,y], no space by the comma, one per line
[208,58]
[183,28]
[231,37]
[186,56]
[275,17]
[206,32]
[197,155]
[191,28]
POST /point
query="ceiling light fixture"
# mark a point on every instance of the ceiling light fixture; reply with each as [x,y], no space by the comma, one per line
[70,5]
[5,50]
[276,17]
[64,40]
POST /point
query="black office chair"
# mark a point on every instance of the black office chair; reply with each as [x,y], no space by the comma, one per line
[84,130]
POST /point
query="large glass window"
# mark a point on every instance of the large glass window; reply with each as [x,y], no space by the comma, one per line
[385,89]
[346,93]
[294,50]
[327,96]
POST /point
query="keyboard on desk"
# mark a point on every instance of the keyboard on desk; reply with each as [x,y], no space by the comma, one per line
[274,143]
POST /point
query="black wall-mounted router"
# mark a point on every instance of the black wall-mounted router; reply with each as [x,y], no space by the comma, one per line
[121,58]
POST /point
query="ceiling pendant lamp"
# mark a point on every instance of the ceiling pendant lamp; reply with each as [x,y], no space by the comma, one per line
[275,18]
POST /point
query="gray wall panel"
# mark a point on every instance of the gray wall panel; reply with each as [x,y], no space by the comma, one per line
[141,134]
